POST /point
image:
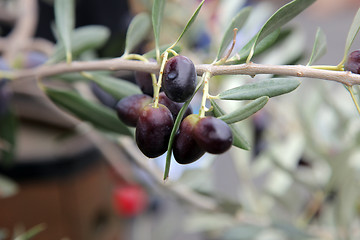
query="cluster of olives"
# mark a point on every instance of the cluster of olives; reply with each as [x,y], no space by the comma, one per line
[154,124]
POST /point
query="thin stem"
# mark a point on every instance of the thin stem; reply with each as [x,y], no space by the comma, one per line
[172,51]
[158,85]
[223,60]
[328,67]
[141,58]
[354,99]
[205,78]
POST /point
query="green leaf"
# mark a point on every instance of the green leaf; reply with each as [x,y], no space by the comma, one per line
[238,139]
[263,45]
[354,29]
[138,30]
[174,131]
[8,128]
[319,48]
[291,231]
[98,115]
[280,18]
[157,16]
[74,76]
[245,111]
[237,22]
[82,39]
[190,22]
[152,53]
[242,232]
[64,20]
[32,232]
[271,88]
[117,88]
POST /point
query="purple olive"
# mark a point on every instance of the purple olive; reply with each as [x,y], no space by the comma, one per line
[185,148]
[174,107]
[153,130]
[129,108]
[179,78]
[213,135]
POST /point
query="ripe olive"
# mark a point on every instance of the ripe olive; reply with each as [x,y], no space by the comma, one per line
[213,135]
[129,108]
[185,148]
[174,107]
[179,78]
[153,130]
[353,62]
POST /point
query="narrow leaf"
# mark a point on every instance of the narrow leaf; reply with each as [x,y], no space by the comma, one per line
[263,45]
[74,76]
[82,39]
[152,53]
[319,48]
[117,88]
[98,115]
[280,18]
[238,139]
[174,131]
[271,88]
[354,29]
[191,20]
[245,111]
[157,16]
[237,22]
[64,20]
[138,30]
[8,128]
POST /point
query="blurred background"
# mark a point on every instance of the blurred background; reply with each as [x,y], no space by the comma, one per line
[299,181]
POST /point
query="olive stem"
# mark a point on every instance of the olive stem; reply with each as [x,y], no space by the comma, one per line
[158,84]
[354,99]
[205,78]
[328,67]
[252,69]
[223,60]
[144,59]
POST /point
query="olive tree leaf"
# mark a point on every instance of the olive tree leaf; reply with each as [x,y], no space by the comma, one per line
[157,16]
[8,128]
[319,48]
[354,29]
[190,22]
[271,88]
[138,30]
[175,129]
[237,22]
[117,88]
[263,45]
[101,117]
[242,232]
[245,111]
[82,39]
[65,22]
[32,232]
[238,139]
[278,19]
